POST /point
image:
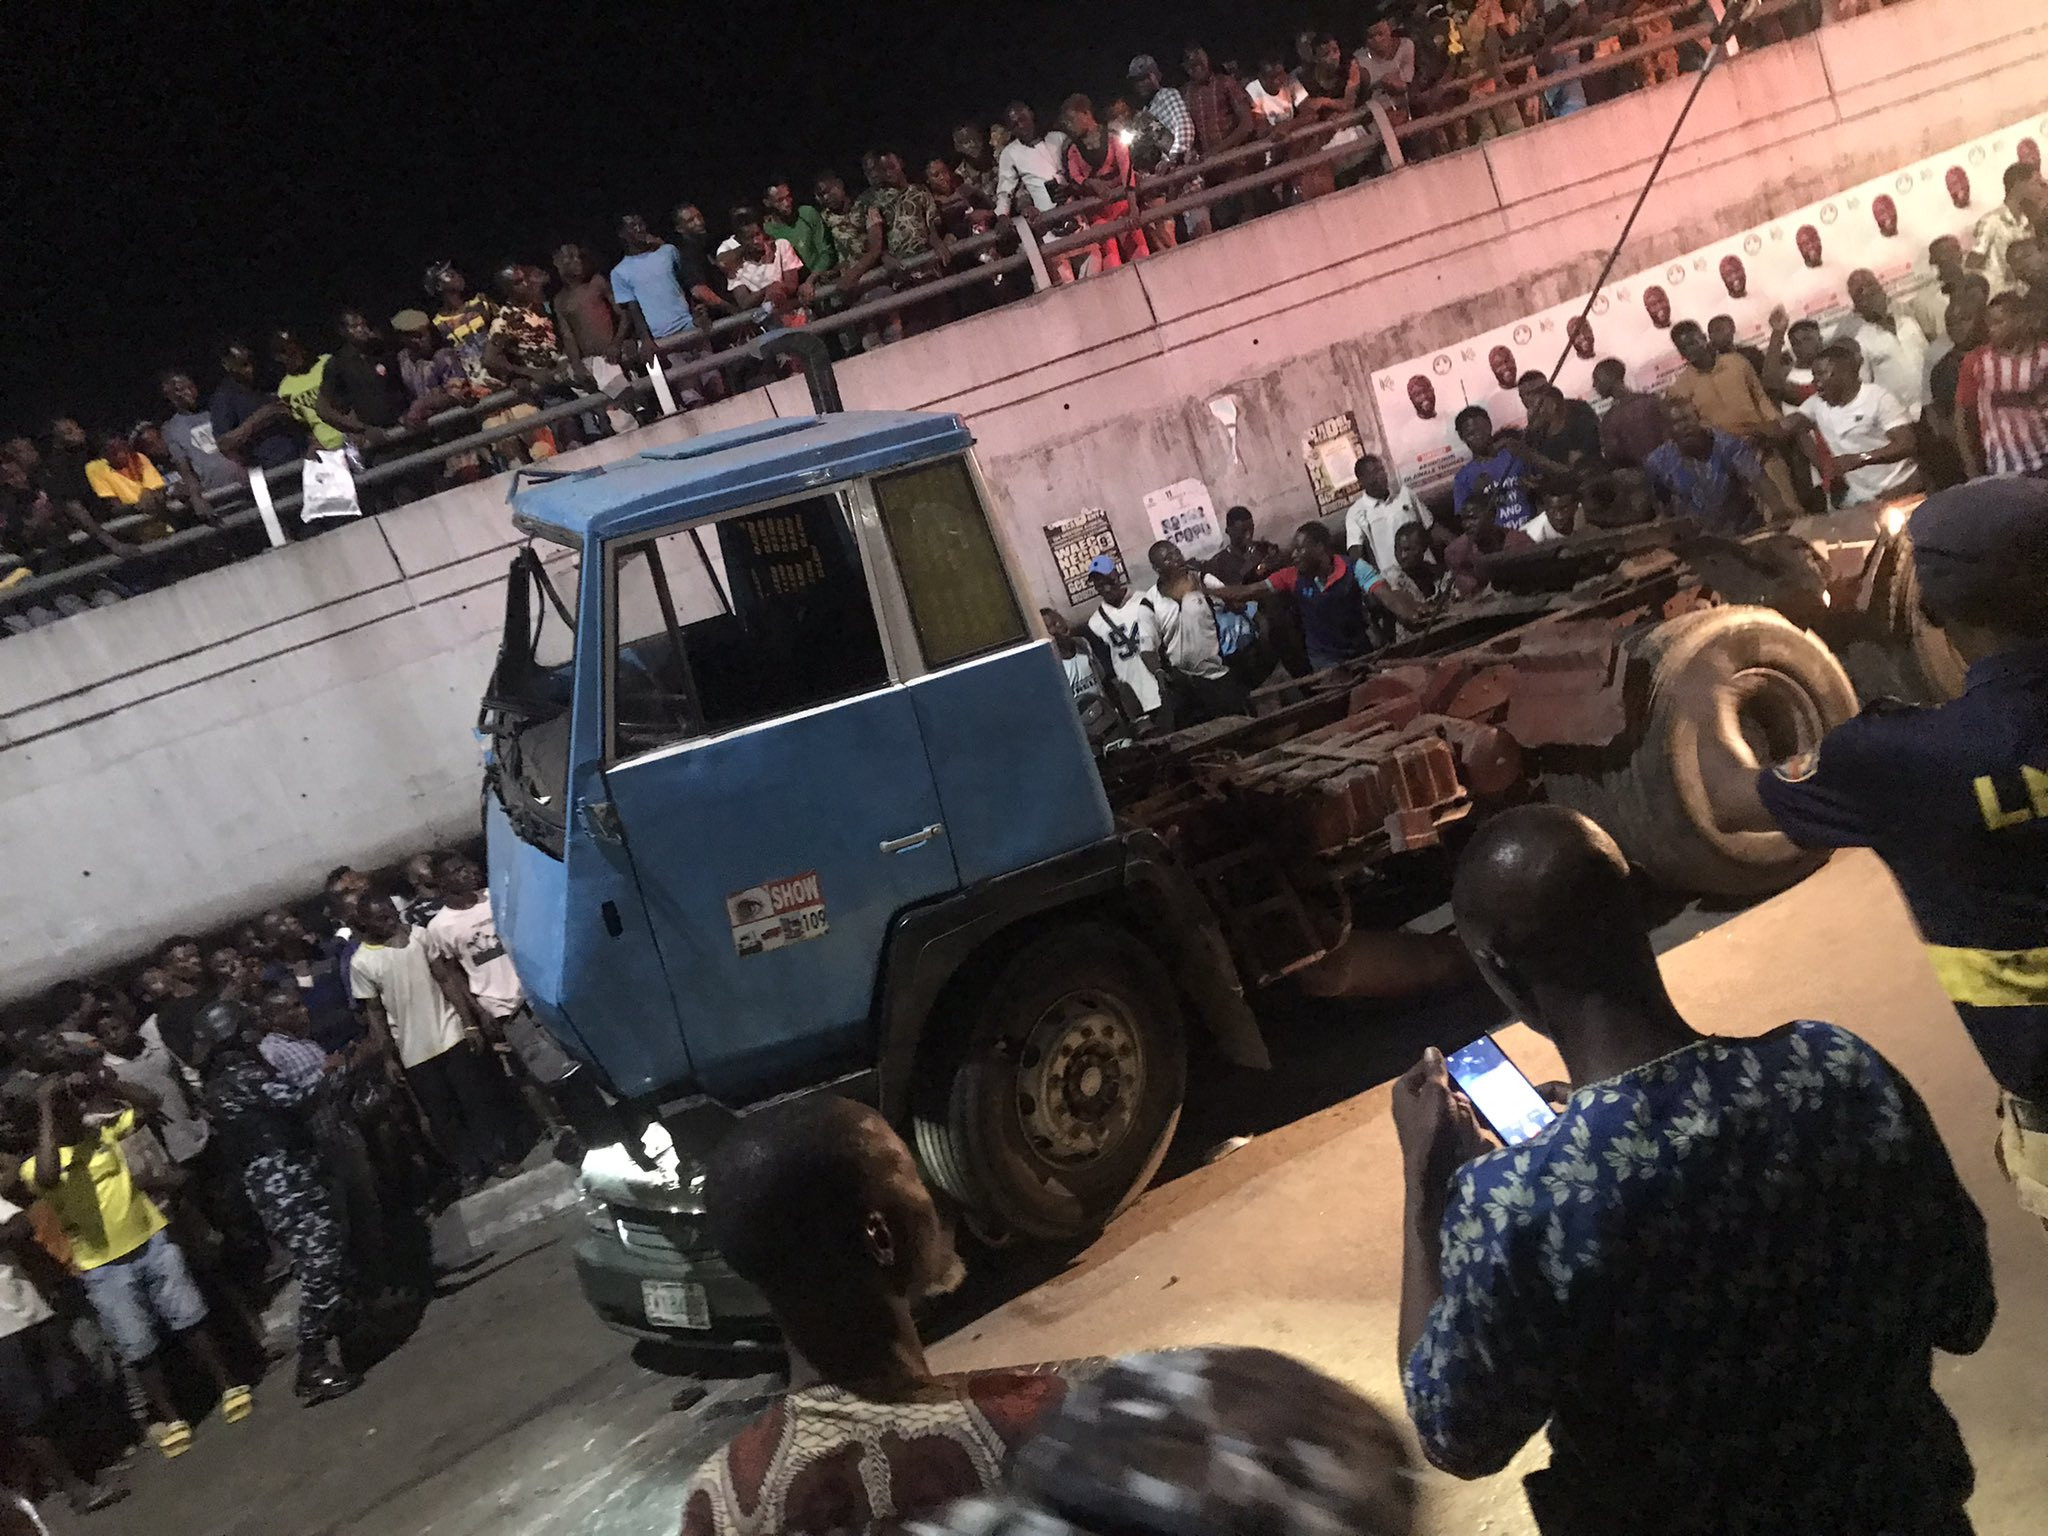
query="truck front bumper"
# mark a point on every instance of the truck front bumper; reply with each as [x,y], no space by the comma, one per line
[616,1268]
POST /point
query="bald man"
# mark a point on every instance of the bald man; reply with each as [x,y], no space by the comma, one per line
[1719,1274]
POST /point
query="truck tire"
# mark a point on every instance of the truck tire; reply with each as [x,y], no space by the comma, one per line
[1787,691]
[1055,1107]
[1931,650]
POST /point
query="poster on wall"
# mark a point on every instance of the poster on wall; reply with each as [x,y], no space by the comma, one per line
[1332,450]
[1077,540]
[1802,261]
[1184,515]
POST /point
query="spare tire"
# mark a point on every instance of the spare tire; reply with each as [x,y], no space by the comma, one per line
[1712,694]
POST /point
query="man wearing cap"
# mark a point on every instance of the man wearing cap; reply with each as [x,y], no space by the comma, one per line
[1128,629]
[1954,798]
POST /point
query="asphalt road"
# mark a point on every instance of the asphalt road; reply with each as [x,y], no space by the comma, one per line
[512,1411]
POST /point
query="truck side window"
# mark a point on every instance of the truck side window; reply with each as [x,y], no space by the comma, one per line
[960,598]
[724,624]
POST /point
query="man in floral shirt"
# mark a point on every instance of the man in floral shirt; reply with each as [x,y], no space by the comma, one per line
[1719,1275]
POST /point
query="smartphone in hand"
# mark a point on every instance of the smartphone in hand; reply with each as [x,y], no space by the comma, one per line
[1506,1100]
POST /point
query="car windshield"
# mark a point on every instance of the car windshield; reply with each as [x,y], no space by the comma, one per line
[525,714]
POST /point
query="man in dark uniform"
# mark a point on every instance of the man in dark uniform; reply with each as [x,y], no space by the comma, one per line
[1954,799]
[265,1121]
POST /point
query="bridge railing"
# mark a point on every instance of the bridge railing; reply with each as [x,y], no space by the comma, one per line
[1025,244]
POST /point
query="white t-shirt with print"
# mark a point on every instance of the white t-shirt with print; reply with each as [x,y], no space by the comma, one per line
[759,276]
[469,936]
[1083,681]
[1277,109]
[423,1023]
[1129,632]
[1864,425]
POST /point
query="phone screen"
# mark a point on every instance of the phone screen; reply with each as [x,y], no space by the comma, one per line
[1506,1099]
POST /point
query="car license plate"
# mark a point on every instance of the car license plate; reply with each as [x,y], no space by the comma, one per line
[675,1304]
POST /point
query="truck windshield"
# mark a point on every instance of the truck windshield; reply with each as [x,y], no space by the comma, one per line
[758,615]
[525,714]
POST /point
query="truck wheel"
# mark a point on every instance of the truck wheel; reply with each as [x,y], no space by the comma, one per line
[1056,1108]
[1748,669]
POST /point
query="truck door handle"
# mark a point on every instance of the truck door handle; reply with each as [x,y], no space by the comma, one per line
[915,840]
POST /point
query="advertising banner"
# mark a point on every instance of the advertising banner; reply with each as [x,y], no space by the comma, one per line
[1801,261]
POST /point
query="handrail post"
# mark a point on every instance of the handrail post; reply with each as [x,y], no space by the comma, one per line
[1384,120]
[1027,237]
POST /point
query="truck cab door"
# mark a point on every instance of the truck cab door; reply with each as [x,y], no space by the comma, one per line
[770,783]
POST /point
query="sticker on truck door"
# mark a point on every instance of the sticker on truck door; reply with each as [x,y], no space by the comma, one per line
[776,915]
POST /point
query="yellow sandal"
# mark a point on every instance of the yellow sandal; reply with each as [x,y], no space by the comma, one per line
[236,1404]
[173,1439]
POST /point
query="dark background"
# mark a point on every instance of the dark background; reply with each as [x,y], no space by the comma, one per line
[182,175]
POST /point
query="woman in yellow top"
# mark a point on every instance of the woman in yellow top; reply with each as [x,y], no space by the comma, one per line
[123,475]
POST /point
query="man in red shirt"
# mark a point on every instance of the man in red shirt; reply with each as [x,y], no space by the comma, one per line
[2002,396]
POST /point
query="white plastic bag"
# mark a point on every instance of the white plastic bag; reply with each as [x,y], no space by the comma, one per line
[327,489]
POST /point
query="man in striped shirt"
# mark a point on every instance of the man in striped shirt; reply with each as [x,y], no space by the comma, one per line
[2002,396]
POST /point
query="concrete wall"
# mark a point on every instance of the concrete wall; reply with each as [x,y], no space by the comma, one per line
[184,757]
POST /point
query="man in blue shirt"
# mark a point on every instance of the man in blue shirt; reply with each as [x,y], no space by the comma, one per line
[1955,799]
[248,425]
[1501,464]
[1719,1275]
[647,285]
[1713,477]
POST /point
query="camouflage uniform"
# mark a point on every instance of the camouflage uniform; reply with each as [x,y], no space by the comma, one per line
[267,1122]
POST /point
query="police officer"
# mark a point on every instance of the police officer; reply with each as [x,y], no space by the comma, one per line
[264,1121]
[1954,798]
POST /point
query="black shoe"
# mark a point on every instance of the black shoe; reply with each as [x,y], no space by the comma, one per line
[324,1383]
[97,1498]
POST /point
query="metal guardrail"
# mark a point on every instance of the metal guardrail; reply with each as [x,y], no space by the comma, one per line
[694,353]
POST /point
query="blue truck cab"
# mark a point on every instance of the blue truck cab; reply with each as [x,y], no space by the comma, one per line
[785,793]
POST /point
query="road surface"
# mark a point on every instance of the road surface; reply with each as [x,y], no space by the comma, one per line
[512,1412]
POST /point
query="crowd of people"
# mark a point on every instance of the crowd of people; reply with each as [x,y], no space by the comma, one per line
[376,387]
[1720,1275]
[1900,400]
[292,1099]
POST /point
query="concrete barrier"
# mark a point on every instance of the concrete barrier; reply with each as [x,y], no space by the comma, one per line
[179,759]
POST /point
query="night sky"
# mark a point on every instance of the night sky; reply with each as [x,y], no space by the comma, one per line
[183,175]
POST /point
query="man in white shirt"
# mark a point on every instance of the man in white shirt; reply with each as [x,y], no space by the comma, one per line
[1863,433]
[1381,511]
[2026,200]
[465,933]
[1894,347]
[1036,165]
[1276,94]
[1389,64]
[1129,628]
[770,272]
[1190,642]
[411,1007]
